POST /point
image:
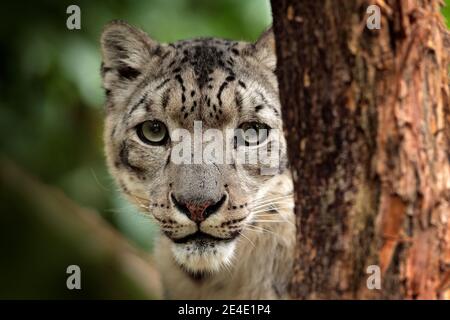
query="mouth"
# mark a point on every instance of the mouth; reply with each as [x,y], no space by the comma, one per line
[201,253]
[202,238]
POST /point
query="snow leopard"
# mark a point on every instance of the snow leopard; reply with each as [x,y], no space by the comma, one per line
[226,230]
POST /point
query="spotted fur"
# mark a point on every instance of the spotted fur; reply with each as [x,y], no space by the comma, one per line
[223,84]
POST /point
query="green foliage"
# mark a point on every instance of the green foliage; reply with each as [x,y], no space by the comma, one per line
[446,12]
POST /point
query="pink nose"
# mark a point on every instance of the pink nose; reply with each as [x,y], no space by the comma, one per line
[197,211]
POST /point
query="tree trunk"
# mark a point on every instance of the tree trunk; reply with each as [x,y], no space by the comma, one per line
[367,118]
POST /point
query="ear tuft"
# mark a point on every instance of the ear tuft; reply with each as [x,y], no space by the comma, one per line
[265,50]
[125,50]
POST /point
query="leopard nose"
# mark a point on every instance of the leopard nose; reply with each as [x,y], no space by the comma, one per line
[196,210]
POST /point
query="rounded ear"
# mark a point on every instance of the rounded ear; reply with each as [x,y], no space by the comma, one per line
[126,50]
[265,50]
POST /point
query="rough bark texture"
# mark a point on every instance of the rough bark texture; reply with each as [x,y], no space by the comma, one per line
[367,118]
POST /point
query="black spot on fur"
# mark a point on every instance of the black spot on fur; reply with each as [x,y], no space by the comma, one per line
[165,98]
[162,84]
[219,93]
[238,101]
[165,55]
[122,53]
[157,51]
[167,163]
[275,111]
[128,73]
[180,81]
[204,57]
[123,156]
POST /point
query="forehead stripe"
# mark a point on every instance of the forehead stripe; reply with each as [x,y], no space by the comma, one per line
[138,104]
[162,84]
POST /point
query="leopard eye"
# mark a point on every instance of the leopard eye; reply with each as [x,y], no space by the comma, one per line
[252,133]
[152,132]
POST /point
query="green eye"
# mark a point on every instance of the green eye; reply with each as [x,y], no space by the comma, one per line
[152,132]
[252,133]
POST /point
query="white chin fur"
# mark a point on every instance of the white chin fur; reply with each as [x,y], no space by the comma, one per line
[207,259]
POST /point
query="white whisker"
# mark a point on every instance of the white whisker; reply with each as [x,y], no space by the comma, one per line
[266,200]
[250,241]
[228,267]
[272,215]
[263,229]
[272,207]
[98,181]
[259,211]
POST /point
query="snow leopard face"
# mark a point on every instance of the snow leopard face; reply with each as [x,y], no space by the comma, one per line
[155,91]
